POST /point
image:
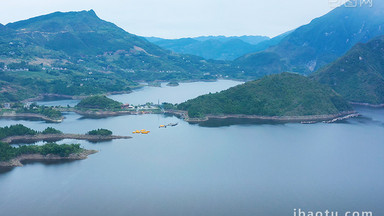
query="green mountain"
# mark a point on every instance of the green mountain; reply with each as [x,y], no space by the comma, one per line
[359,75]
[77,53]
[318,43]
[81,33]
[283,94]
[213,47]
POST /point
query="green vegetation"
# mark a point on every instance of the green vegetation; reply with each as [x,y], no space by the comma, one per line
[77,53]
[50,112]
[50,130]
[16,130]
[359,75]
[8,152]
[168,106]
[283,94]
[100,132]
[173,83]
[21,130]
[98,102]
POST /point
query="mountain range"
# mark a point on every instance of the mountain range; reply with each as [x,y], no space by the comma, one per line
[212,47]
[78,53]
[318,43]
[218,47]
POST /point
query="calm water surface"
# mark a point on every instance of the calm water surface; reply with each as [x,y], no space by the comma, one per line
[249,169]
[161,94]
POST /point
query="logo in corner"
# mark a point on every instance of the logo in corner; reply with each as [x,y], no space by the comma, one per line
[350,3]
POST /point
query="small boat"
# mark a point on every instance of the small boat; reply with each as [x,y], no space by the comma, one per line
[172,124]
[162,126]
[137,131]
[145,132]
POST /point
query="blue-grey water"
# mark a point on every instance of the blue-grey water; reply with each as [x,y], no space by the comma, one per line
[248,169]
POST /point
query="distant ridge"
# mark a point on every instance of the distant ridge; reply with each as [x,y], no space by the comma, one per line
[215,47]
[318,43]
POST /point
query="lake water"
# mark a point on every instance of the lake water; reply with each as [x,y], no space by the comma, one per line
[236,170]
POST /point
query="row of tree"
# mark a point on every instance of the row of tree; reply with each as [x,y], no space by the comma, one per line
[8,152]
[20,130]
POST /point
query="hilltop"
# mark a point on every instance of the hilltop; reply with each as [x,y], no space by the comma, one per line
[98,102]
[280,95]
[77,53]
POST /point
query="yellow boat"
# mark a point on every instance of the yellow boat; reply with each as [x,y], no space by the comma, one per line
[134,132]
[145,132]
[161,126]
[137,131]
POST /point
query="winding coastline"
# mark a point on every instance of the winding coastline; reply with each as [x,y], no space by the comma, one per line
[30,116]
[57,137]
[282,119]
[17,162]
[104,113]
[368,104]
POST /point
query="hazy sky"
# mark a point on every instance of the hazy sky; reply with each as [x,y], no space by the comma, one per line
[182,18]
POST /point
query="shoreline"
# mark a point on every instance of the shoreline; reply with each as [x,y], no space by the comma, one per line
[17,162]
[72,97]
[295,119]
[41,97]
[13,114]
[368,105]
[103,114]
[56,137]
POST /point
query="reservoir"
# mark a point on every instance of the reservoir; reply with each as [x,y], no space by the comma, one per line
[225,170]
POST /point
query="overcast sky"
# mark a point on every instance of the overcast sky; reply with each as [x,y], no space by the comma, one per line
[182,18]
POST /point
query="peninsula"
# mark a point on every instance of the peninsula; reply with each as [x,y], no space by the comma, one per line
[285,97]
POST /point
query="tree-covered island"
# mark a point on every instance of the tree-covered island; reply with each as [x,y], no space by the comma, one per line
[15,134]
[11,156]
